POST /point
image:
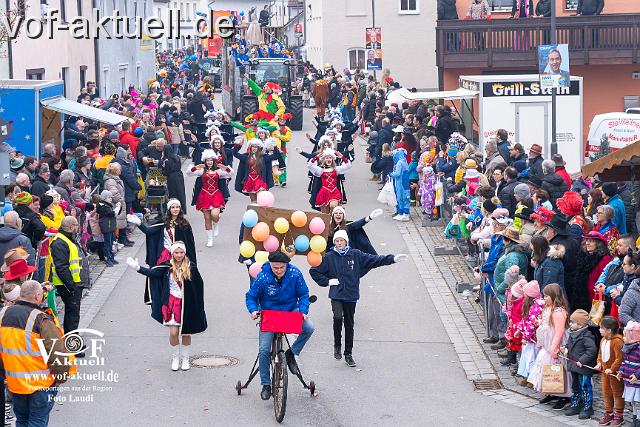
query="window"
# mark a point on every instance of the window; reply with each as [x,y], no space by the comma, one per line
[356,58]
[64,76]
[123,77]
[79,4]
[571,4]
[409,7]
[83,76]
[35,74]
[105,81]
[504,5]
[63,11]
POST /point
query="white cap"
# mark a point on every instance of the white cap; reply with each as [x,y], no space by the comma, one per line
[172,202]
[341,234]
[255,142]
[177,245]
[328,152]
[398,129]
[209,154]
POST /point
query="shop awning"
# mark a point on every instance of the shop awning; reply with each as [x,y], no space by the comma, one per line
[404,94]
[621,165]
[66,106]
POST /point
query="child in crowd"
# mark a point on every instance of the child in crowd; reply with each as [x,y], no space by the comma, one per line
[630,368]
[631,270]
[581,350]
[515,301]
[610,358]
[532,307]
[400,176]
[386,162]
[550,336]
[427,191]
[107,222]
[413,177]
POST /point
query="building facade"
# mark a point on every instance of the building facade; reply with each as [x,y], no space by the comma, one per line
[335,34]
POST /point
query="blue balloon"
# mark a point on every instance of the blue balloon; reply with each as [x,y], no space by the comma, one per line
[301,243]
[250,218]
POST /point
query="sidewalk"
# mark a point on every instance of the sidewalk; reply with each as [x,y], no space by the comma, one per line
[464,323]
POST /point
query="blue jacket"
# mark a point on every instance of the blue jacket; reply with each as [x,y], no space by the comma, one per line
[619,219]
[292,294]
[413,170]
[503,149]
[400,172]
[447,167]
[348,269]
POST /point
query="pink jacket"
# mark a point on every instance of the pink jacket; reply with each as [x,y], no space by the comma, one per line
[530,321]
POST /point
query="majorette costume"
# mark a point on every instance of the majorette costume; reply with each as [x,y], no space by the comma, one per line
[270,104]
[207,193]
[329,189]
[248,180]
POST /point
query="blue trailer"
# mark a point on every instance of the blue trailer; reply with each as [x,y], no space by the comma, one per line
[32,113]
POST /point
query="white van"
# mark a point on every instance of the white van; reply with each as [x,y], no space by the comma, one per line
[618,129]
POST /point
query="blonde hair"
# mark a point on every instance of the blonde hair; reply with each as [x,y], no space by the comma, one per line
[180,271]
[114,168]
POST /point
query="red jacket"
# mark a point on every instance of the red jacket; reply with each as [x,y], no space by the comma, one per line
[127,138]
[560,170]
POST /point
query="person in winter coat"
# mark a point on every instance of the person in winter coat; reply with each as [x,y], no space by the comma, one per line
[625,190]
[320,94]
[108,225]
[11,237]
[355,229]
[627,293]
[445,125]
[479,9]
[547,261]
[535,160]
[552,183]
[172,169]
[129,179]
[279,286]
[341,269]
[32,226]
[41,184]
[447,11]
[507,193]
[543,8]
[582,351]
[558,234]
[493,160]
[175,291]
[592,259]
[612,198]
[604,217]
[114,184]
[610,357]
[590,7]
[515,254]
[400,176]
[522,8]
[613,273]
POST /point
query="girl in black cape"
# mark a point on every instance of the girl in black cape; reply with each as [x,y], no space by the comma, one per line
[161,235]
[175,291]
[358,238]
[172,169]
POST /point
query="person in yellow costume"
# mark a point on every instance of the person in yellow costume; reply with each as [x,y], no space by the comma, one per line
[269,102]
[283,135]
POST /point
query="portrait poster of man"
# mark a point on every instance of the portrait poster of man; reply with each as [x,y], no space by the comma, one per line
[553,65]
[374,59]
[373,38]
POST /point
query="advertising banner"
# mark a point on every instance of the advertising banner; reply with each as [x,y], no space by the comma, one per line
[373,45]
[553,65]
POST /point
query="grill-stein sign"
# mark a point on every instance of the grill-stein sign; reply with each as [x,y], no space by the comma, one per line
[526,89]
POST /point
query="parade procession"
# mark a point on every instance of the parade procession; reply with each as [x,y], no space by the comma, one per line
[463,172]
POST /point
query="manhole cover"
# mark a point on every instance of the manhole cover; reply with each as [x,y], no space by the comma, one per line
[213,361]
[487,384]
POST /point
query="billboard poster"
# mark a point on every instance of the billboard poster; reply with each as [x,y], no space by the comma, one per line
[553,65]
[373,47]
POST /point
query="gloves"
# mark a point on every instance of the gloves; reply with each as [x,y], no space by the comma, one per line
[133,263]
[374,214]
[133,219]
[247,262]
[400,258]
[334,282]
[298,150]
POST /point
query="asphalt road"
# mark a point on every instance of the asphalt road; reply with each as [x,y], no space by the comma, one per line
[408,372]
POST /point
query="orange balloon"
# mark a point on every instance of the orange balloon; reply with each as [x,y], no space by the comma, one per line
[260,232]
[299,218]
[314,259]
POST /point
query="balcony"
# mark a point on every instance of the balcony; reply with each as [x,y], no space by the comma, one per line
[612,39]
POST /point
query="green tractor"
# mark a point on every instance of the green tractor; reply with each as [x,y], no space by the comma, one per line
[283,72]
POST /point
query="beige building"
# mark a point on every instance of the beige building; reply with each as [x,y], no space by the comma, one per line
[61,58]
[335,34]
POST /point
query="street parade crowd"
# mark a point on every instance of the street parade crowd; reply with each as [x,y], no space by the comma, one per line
[555,255]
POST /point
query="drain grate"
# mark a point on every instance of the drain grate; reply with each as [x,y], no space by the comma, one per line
[487,385]
[445,250]
[213,361]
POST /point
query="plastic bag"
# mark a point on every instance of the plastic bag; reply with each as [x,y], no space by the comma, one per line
[439,194]
[387,195]
[453,230]
[597,308]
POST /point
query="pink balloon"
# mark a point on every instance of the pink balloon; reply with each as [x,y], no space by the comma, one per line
[271,244]
[316,225]
[266,199]
[255,268]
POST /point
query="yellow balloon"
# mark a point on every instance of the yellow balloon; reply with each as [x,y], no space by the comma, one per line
[299,218]
[318,244]
[281,225]
[247,249]
[262,256]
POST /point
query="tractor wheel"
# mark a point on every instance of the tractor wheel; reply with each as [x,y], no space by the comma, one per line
[296,110]
[249,106]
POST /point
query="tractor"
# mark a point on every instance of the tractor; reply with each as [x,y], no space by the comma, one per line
[283,72]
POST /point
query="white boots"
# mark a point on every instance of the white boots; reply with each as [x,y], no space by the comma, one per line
[175,360]
[216,229]
[209,238]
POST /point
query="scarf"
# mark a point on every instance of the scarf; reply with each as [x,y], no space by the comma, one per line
[342,252]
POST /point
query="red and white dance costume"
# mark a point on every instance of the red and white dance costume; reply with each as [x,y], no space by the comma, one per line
[330,190]
[210,196]
[254,182]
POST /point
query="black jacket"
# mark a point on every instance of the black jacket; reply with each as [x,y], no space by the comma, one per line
[32,225]
[555,186]
[445,126]
[129,179]
[106,217]
[358,238]
[11,238]
[535,166]
[582,347]
[348,269]
[60,255]
[447,10]
[40,186]
[507,199]
[571,248]
[590,7]
[544,8]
